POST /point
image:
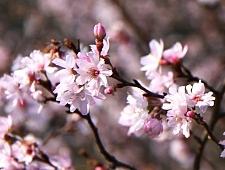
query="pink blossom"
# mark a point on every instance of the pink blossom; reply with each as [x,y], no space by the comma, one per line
[161,83]
[134,115]
[109,90]
[67,66]
[5,125]
[92,70]
[177,107]
[153,127]
[68,92]
[151,62]
[199,98]
[175,53]
[7,162]
[25,150]
[223,143]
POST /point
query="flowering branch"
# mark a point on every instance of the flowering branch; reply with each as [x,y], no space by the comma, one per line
[187,73]
[79,79]
[210,128]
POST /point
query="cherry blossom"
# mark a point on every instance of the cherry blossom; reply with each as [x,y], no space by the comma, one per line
[177,106]
[92,70]
[199,98]
[68,92]
[174,54]
[151,62]
[25,150]
[67,66]
[161,83]
[153,127]
[223,143]
[5,125]
[135,114]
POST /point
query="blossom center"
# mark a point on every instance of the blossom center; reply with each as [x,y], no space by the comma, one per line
[94,72]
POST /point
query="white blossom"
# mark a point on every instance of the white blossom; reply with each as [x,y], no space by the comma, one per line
[68,66]
[175,54]
[93,71]
[151,62]
[135,113]
[223,143]
[199,98]
[161,83]
[177,107]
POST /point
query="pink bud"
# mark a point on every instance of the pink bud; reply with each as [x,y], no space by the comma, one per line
[190,114]
[100,167]
[109,90]
[153,127]
[99,31]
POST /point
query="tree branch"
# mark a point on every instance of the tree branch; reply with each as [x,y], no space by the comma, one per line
[115,163]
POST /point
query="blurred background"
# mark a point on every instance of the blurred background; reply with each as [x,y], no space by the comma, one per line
[30,24]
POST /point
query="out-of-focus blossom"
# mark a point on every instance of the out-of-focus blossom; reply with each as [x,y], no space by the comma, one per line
[175,53]
[161,83]
[223,143]
[7,162]
[180,151]
[4,57]
[153,127]
[38,61]
[209,2]
[151,62]
[5,125]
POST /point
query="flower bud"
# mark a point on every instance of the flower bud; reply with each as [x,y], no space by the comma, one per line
[153,127]
[100,167]
[109,90]
[190,114]
[99,31]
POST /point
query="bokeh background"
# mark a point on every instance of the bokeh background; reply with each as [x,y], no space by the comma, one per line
[30,24]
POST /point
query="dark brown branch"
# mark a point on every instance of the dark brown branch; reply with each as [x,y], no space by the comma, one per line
[200,121]
[187,73]
[135,83]
[115,163]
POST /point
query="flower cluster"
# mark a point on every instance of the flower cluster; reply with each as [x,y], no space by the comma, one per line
[182,106]
[135,115]
[181,103]
[82,78]
[75,79]
[18,153]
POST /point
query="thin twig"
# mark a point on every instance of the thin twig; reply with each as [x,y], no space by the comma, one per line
[115,163]
[187,73]
[135,83]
